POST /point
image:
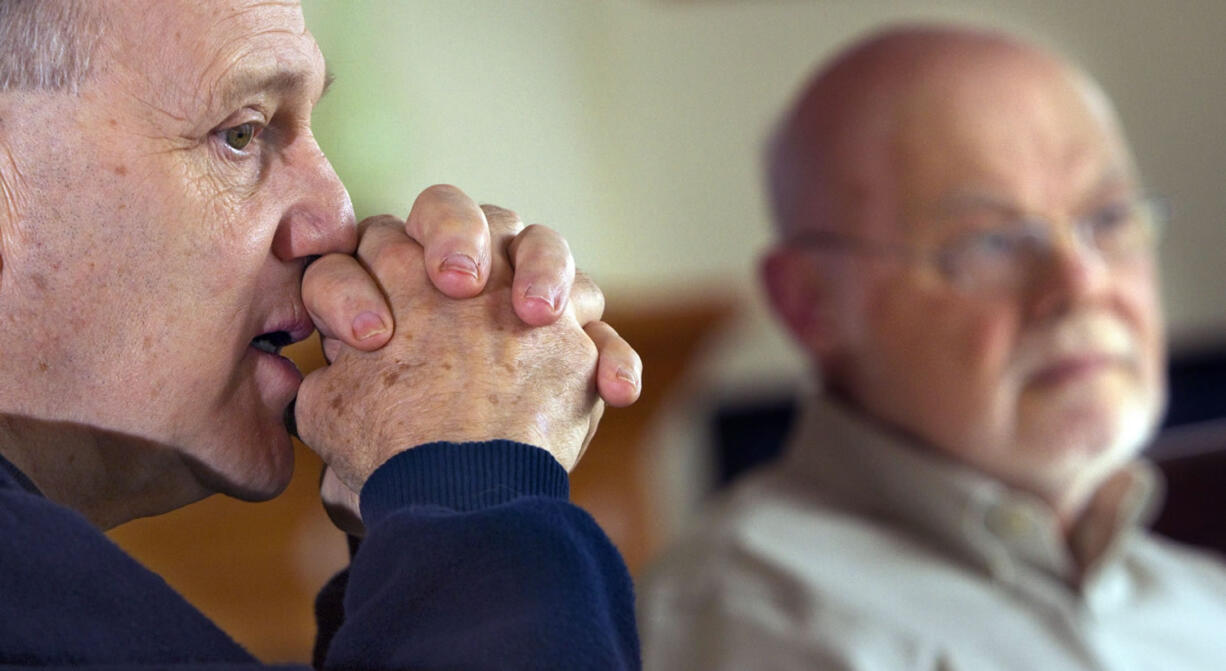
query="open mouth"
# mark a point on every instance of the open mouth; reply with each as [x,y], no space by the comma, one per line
[272,342]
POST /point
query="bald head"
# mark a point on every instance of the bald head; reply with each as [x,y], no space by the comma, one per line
[835,159]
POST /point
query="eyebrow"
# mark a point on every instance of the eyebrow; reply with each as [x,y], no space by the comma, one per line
[969,199]
[279,81]
[329,77]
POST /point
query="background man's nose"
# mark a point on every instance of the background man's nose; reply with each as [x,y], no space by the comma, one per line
[1073,271]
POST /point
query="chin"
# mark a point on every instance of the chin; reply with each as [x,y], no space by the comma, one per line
[252,466]
[1092,438]
[1103,413]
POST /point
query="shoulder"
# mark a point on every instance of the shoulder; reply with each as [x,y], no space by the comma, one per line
[62,577]
[772,533]
[775,569]
[1163,563]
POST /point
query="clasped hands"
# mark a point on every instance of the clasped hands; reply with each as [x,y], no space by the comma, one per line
[458,324]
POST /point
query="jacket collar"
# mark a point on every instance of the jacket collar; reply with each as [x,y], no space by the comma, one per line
[868,469]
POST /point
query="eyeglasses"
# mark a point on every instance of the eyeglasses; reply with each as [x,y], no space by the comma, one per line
[1005,249]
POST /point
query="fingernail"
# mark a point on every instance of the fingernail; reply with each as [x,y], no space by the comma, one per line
[547,295]
[368,325]
[626,374]
[460,263]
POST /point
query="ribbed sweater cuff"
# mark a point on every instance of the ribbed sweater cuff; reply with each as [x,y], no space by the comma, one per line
[461,477]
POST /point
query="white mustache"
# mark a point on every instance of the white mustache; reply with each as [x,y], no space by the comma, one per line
[1092,334]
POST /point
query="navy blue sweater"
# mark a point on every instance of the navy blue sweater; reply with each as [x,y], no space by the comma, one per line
[473,559]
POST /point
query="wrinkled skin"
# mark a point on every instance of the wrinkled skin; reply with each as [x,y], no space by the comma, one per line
[161,219]
[490,375]
[153,252]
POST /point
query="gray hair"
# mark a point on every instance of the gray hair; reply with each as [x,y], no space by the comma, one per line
[46,44]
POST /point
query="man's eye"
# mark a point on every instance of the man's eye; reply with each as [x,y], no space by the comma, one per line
[997,242]
[238,137]
[1111,218]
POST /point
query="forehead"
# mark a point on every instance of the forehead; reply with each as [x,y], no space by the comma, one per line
[1018,127]
[182,55]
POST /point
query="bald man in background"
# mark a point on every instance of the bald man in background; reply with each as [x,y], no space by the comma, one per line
[966,254]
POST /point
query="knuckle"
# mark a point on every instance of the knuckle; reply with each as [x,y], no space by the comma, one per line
[323,266]
[501,220]
[375,239]
[393,254]
[331,286]
[321,291]
[584,284]
[498,212]
[378,221]
[547,236]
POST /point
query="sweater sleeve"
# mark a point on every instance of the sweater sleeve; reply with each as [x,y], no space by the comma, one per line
[474,559]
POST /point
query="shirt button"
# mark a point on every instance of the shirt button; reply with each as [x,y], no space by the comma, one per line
[1008,522]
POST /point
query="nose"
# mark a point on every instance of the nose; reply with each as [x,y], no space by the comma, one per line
[1074,272]
[320,219]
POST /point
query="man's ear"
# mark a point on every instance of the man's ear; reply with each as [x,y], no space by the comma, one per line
[800,297]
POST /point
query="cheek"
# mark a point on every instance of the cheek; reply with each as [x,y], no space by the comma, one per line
[223,202]
[975,406]
[222,237]
[992,342]
[1139,305]
[942,365]
[962,347]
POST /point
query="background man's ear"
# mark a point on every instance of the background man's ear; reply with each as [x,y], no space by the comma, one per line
[800,298]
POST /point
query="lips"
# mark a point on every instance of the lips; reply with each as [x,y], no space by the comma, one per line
[1077,347]
[282,332]
[1070,368]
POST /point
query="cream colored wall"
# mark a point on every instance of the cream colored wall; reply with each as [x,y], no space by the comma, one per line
[633,127]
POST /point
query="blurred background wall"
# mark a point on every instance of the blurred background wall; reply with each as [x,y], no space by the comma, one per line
[633,127]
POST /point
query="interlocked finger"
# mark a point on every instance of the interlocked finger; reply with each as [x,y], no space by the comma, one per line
[544,273]
[619,370]
[393,259]
[587,299]
[504,225]
[456,238]
[344,302]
